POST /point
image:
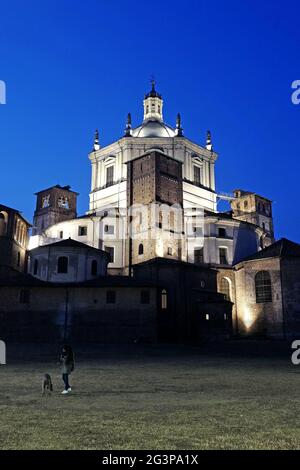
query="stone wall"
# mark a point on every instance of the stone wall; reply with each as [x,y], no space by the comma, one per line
[263,319]
[82,311]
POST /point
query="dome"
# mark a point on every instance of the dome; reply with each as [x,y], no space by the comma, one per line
[153,129]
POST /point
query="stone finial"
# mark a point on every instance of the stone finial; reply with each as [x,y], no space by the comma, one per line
[128,130]
[209,141]
[96,140]
[179,130]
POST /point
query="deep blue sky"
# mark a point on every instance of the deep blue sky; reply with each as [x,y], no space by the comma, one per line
[72,66]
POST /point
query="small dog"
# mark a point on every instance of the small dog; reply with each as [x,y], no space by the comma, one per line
[47,384]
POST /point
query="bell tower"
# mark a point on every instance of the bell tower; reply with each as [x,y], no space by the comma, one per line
[53,205]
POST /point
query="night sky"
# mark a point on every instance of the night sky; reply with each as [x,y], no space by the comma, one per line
[227,66]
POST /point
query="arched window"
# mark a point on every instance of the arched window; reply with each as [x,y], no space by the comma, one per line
[225,288]
[141,249]
[263,287]
[3,223]
[94,268]
[62,265]
[35,266]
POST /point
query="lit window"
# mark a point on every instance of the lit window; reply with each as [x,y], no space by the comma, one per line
[263,287]
[164,299]
[207,316]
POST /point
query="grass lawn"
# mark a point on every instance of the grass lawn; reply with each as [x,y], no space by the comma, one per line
[153,400]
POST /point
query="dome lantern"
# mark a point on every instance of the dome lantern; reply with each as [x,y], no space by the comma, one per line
[153,104]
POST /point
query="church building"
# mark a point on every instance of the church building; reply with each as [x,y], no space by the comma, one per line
[153,220]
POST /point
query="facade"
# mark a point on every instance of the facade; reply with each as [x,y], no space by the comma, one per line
[193,310]
[268,291]
[14,238]
[110,309]
[67,261]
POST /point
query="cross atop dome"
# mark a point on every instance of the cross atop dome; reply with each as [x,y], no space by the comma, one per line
[153,93]
[153,104]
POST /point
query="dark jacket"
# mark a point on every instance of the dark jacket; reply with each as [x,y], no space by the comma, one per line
[67,362]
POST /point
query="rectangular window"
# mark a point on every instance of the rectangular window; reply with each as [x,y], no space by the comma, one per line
[62,265]
[170,251]
[109,229]
[197,231]
[199,255]
[223,255]
[145,297]
[111,251]
[197,175]
[109,176]
[61,234]
[207,316]
[164,299]
[221,232]
[263,287]
[110,297]
[82,231]
[24,297]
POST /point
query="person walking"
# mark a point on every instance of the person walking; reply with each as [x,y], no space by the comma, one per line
[67,366]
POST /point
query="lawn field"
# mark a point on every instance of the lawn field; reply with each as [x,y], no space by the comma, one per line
[153,398]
